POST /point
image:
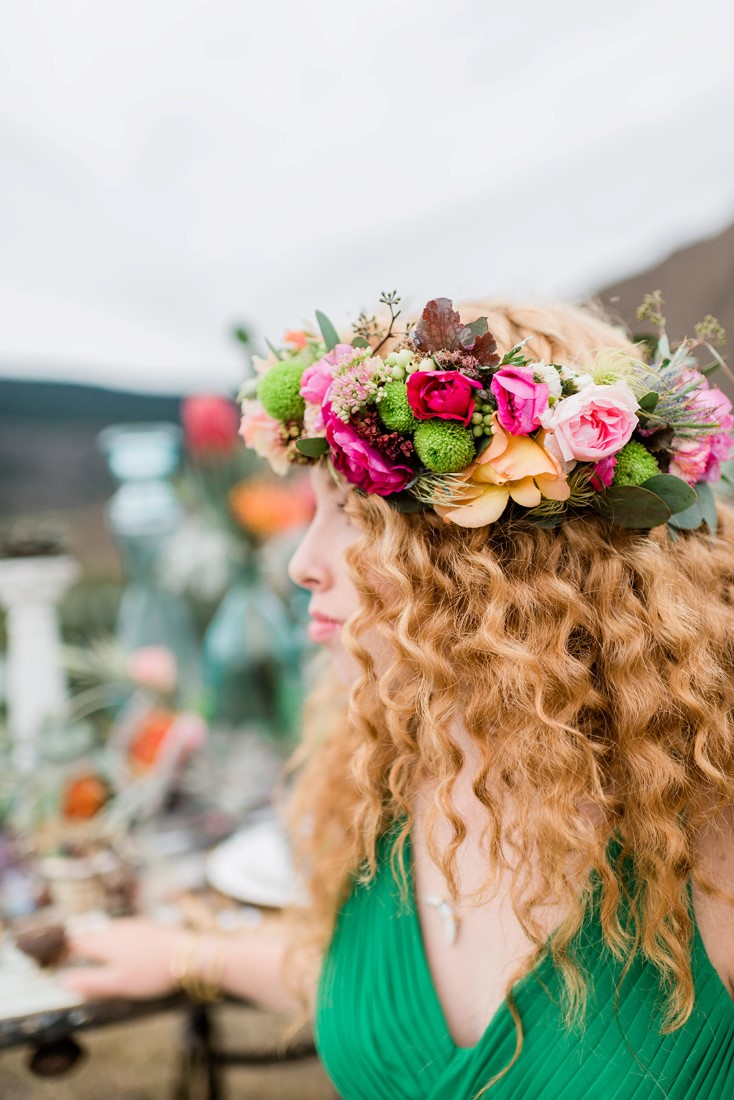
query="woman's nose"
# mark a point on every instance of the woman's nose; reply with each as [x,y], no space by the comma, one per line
[307,568]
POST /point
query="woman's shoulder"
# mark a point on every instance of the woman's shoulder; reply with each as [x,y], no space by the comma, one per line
[714,907]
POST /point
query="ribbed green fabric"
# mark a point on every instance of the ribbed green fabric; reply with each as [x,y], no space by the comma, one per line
[382,1035]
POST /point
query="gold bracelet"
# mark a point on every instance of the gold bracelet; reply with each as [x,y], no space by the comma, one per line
[200,983]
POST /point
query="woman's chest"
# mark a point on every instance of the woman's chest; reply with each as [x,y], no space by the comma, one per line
[474,951]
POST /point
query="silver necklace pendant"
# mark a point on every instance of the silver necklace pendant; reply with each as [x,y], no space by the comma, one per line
[448,914]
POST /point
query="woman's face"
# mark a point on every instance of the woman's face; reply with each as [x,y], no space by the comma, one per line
[318,565]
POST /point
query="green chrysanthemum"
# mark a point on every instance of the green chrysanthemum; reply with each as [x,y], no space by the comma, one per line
[634,465]
[279,391]
[394,410]
[443,447]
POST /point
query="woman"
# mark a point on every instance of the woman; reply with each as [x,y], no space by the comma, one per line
[519,834]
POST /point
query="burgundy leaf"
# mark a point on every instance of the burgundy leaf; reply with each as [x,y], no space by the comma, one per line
[440,328]
[485,350]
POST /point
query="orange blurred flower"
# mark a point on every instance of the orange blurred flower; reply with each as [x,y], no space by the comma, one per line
[84,796]
[149,738]
[296,337]
[266,508]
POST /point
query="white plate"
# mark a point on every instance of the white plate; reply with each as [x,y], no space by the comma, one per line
[254,865]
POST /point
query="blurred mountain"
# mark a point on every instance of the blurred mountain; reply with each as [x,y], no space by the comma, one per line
[694,281]
[49,458]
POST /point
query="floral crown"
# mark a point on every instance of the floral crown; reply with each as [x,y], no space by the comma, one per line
[443,421]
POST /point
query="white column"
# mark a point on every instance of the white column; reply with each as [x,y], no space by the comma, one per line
[30,589]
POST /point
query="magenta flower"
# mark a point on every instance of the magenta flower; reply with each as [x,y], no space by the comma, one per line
[603,473]
[521,400]
[442,394]
[361,463]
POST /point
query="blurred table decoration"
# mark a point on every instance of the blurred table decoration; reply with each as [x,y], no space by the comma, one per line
[144,514]
[251,652]
[34,574]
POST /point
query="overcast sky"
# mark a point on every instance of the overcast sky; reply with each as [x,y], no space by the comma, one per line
[169,167]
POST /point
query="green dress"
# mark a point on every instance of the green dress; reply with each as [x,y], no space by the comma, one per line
[382,1035]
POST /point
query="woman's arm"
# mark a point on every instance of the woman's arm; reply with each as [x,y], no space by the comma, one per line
[139,959]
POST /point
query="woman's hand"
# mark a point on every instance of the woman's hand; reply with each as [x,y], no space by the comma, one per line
[134,959]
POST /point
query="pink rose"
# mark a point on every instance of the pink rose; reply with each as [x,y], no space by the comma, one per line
[361,463]
[691,459]
[715,406]
[700,459]
[594,423]
[603,473]
[520,400]
[444,394]
[316,379]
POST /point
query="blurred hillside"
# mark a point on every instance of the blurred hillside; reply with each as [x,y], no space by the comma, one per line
[694,281]
[50,464]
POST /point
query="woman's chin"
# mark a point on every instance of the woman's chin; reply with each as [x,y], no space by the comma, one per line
[345,665]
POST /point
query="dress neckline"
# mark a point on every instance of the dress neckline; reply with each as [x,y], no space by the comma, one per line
[703,968]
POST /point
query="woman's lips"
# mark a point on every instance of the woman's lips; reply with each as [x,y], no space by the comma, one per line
[321,629]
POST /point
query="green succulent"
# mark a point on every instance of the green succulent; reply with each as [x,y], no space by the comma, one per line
[394,410]
[279,391]
[634,465]
[442,446]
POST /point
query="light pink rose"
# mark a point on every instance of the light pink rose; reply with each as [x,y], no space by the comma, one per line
[594,423]
[316,379]
[520,399]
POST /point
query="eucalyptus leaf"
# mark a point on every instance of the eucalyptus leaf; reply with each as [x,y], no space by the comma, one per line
[648,401]
[360,342]
[312,446]
[676,493]
[329,333]
[634,508]
[707,500]
[689,520]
